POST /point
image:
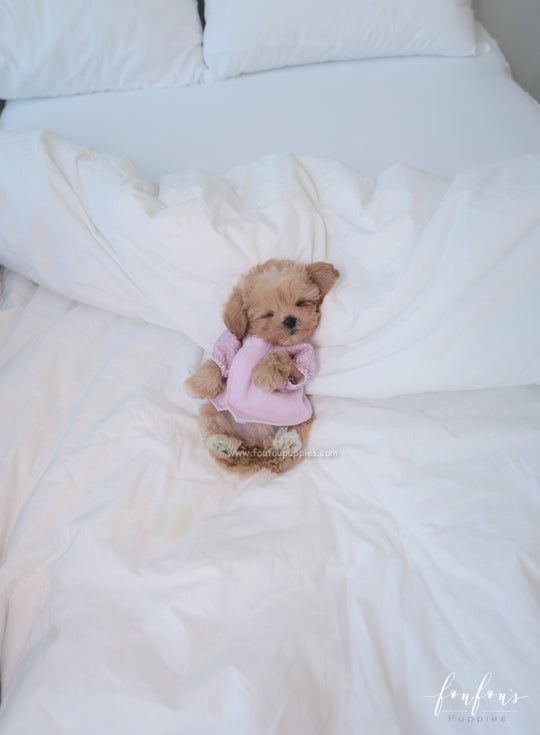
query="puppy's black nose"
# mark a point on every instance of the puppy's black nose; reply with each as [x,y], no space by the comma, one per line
[289,322]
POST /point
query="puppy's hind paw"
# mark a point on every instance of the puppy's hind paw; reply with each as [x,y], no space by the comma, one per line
[287,441]
[222,445]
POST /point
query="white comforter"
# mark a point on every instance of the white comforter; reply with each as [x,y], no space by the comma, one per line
[145,591]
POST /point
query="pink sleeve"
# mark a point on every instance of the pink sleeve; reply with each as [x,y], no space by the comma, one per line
[224,351]
[303,356]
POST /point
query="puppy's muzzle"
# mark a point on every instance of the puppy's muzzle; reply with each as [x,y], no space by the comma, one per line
[289,322]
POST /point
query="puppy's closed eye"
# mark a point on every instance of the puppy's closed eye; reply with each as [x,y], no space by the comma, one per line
[304,302]
[268,315]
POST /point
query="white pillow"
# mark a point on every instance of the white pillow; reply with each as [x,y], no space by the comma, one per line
[57,47]
[252,35]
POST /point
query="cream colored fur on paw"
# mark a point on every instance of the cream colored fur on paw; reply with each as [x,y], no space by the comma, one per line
[287,441]
[222,445]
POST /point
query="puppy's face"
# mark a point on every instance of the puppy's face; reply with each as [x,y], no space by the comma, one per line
[279,301]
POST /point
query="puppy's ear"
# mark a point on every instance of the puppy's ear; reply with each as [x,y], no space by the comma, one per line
[235,314]
[324,275]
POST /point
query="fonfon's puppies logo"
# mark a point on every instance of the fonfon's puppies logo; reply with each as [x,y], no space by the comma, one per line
[482,704]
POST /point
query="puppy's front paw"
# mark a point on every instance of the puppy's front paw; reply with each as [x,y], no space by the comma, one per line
[273,371]
[207,382]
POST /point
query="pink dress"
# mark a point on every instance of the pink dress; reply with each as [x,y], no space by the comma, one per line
[285,406]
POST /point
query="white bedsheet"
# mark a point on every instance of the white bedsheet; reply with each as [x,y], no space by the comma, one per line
[438,114]
[145,590]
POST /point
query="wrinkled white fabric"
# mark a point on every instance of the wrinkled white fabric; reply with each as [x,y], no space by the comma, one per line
[144,589]
[440,286]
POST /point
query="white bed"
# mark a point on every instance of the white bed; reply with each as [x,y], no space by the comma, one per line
[145,591]
[438,114]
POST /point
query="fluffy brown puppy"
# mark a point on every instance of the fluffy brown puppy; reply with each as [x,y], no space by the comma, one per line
[278,301]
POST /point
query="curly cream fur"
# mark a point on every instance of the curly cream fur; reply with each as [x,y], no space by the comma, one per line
[258,305]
